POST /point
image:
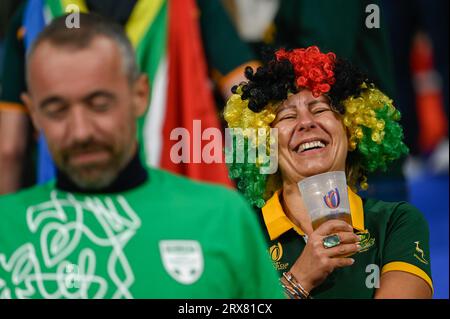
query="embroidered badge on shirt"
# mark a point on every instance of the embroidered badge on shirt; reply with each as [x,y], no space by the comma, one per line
[419,254]
[366,240]
[182,259]
[276,253]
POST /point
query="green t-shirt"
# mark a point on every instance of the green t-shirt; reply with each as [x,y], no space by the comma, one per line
[168,238]
[396,237]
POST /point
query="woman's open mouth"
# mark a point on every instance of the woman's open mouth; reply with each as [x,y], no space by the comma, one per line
[311,147]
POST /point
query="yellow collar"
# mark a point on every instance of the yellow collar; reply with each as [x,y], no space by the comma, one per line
[277,223]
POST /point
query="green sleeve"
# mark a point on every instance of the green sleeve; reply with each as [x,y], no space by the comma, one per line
[224,49]
[407,243]
[13,75]
[258,278]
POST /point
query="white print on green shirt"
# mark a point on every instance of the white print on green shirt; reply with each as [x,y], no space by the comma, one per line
[60,226]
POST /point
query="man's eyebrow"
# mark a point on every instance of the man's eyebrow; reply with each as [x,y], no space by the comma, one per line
[51,100]
[99,93]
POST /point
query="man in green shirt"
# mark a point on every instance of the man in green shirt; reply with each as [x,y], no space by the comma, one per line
[108,227]
[147,25]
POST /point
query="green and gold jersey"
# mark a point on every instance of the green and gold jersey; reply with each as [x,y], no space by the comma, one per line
[394,237]
[168,238]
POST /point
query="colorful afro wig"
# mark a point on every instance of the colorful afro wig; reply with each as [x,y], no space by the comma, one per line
[374,134]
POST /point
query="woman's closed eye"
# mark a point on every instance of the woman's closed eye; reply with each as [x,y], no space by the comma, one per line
[318,109]
[286,115]
[321,110]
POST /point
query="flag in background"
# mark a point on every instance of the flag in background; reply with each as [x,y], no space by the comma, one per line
[166,37]
[189,94]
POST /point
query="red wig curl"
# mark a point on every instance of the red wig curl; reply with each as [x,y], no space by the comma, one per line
[313,69]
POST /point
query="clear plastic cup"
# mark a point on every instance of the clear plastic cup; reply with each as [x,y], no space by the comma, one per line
[326,197]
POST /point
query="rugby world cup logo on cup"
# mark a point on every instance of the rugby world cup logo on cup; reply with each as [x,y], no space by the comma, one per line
[332,199]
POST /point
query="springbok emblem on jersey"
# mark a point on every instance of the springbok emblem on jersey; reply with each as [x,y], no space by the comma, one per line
[419,254]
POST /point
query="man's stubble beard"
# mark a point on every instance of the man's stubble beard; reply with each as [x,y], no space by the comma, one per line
[98,175]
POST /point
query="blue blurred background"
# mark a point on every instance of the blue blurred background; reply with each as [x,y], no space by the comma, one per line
[429,192]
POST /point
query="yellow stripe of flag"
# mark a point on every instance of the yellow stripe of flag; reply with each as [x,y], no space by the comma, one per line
[79,3]
[141,18]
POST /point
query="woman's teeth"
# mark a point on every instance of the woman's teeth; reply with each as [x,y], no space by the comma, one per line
[309,145]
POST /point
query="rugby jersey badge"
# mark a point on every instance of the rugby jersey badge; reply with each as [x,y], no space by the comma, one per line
[419,253]
[366,240]
[182,259]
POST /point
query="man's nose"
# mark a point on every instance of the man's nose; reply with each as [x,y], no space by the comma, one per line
[80,128]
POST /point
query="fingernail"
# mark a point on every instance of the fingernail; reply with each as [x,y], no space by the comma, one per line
[360,237]
[352,260]
[358,246]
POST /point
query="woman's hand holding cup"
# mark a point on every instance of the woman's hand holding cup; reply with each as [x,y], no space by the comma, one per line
[317,261]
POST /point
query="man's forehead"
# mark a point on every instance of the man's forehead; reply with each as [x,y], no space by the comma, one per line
[52,65]
[98,46]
